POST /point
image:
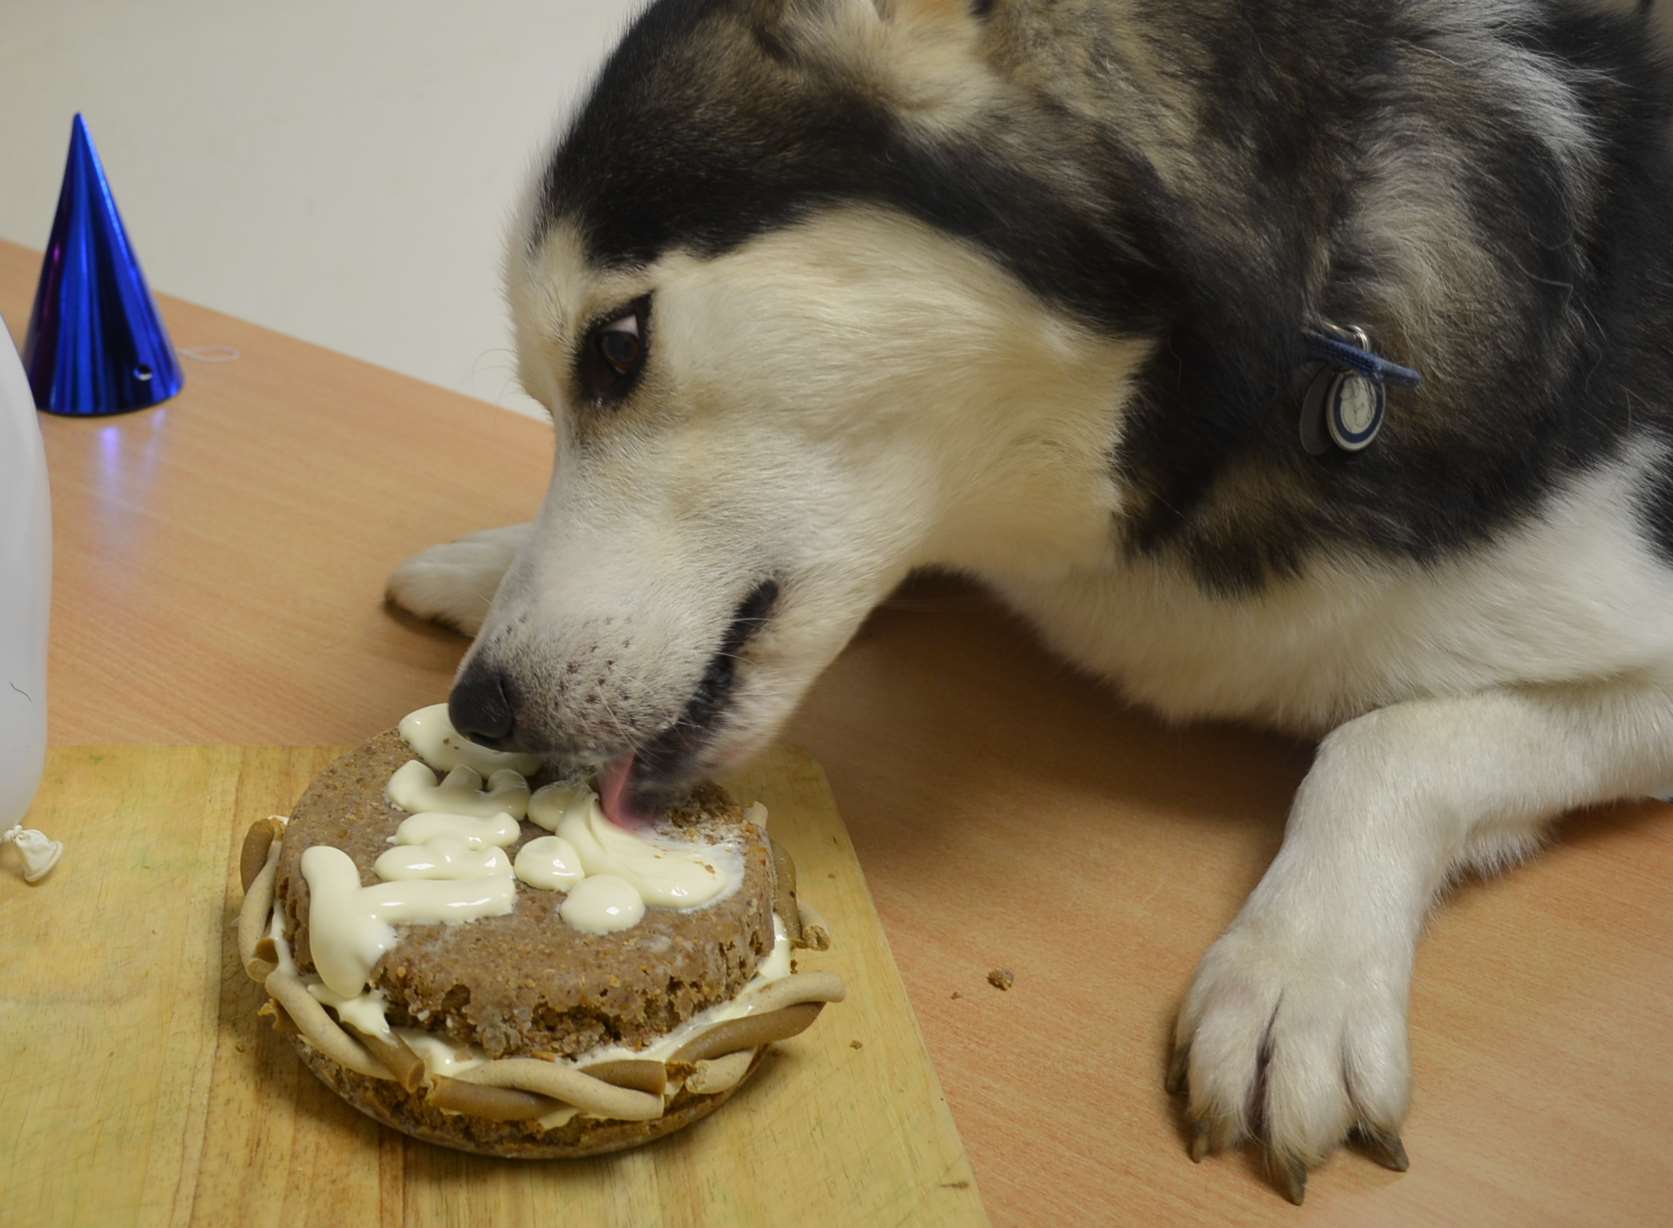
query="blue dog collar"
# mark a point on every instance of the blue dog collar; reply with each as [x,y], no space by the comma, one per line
[1334,348]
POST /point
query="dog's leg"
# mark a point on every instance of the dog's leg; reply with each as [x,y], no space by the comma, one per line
[1294,1030]
[454,584]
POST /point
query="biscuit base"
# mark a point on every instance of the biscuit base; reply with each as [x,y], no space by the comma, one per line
[409,1112]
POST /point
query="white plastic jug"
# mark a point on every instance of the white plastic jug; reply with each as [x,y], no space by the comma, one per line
[25,589]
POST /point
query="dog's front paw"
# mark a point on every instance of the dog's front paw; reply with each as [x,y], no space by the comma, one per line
[1292,1037]
[455,584]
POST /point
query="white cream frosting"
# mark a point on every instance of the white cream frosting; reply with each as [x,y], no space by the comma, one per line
[276,931]
[602,904]
[430,733]
[350,927]
[777,964]
[551,802]
[414,788]
[364,1012]
[666,872]
[439,1057]
[549,863]
[441,858]
[499,830]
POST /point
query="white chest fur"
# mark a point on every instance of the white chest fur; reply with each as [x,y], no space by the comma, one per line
[1575,594]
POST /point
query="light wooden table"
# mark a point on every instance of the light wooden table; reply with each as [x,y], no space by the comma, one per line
[220,566]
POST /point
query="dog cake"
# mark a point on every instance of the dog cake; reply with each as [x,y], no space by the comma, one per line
[476,956]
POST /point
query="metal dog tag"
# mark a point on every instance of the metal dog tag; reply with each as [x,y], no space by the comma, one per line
[1342,409]
[1353,411]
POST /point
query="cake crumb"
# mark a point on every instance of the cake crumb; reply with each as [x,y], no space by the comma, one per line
[1002,978]
[854,1044]
[957,995]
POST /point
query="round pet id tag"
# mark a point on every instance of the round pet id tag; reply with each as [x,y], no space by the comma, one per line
[1353,411]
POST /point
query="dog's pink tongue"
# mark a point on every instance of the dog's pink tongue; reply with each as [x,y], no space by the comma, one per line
[614,796]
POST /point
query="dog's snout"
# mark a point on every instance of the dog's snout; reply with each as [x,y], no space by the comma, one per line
[480,706]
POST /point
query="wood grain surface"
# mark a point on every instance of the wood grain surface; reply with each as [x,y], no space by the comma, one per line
[141,1088]
[221,563]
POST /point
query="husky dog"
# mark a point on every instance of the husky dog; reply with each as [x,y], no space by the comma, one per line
[819,292]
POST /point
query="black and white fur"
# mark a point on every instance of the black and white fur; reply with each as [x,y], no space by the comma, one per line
[1018,288]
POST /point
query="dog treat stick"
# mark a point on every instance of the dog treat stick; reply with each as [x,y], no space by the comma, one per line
[257,909]
[784,893]
[257,841]
[396,1056]
[639,1076]
[489,1103]
[750,1032]
[796,990]
[590,1095]
[720,1074]
[816,934]
[319,1029]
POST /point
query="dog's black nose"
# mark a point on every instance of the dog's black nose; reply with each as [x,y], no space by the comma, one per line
[480,706]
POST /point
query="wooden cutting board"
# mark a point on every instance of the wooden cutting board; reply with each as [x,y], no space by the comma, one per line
[138,1087]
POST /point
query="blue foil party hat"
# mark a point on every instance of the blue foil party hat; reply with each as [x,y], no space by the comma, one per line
[95,344]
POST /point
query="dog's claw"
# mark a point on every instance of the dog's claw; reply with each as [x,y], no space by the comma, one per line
[1178,1066]
[1387,1150]
[1199,1142]
[1292,1176]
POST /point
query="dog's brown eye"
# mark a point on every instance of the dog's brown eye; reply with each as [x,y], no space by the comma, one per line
[614,353]
[621,349]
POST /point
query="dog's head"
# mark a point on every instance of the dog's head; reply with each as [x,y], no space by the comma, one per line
[802,325]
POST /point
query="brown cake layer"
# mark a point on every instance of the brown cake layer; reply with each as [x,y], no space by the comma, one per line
[528,983]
